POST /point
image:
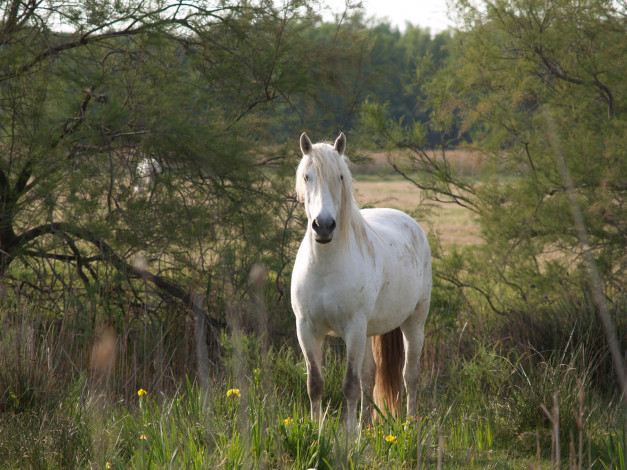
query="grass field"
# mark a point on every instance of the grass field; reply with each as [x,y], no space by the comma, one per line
[376,185]
[453,225]
[254,414]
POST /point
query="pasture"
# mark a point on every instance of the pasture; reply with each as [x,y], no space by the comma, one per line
[453,225]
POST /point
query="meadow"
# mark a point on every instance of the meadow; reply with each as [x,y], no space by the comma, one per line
[484,411]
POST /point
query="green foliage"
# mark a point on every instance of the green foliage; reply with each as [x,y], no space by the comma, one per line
[614,451]
[513,62]
[211,93]
[395,59]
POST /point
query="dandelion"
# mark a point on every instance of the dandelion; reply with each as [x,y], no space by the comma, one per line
[288,421]
[141,392]
[391,439]
[143,437]
[234,391]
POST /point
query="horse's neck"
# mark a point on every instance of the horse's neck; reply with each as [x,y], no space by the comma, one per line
[359,230]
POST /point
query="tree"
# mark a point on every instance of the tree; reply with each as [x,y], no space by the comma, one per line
[392,69]
[515,60]
[88,90]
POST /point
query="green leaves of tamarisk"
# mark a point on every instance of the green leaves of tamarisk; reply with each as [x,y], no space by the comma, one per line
[90,91]
[512,59]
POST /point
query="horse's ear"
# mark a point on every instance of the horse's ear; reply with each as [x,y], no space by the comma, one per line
[340,144]
[305,144]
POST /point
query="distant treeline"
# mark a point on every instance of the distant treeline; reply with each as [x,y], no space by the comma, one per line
[387,72]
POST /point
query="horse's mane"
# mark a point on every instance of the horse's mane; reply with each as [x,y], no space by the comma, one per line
[328,165]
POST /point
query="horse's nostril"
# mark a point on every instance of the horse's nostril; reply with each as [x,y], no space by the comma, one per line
[315,225]
[333,225]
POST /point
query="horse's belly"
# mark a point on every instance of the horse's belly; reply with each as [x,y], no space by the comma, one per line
[393,306]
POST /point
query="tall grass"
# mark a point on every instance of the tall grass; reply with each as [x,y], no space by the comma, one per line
[68,398]
[480,412]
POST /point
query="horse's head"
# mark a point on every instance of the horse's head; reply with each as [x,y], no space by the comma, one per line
[323,185]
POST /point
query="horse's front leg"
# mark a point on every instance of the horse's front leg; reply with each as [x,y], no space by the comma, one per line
[355,340]
[311,345]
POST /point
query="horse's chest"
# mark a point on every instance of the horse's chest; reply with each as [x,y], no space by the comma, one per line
[333,299]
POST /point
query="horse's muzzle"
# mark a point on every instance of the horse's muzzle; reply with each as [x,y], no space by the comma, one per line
[323,228]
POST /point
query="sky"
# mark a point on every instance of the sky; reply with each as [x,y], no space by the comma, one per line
[430,14]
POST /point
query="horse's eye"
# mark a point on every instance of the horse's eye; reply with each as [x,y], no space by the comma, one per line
[306,178]
[342,177]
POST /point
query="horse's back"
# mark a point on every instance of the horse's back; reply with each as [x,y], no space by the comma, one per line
[395,227]
[405,255]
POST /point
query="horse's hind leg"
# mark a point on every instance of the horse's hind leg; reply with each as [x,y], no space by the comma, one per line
[368,370]
[311,345]
[414,337]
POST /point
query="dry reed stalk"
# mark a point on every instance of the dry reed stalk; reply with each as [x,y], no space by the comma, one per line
[440,449]
[579,421]
[556,425]
[538,450]
[418,446]
[103,356]
[555,430]
[202,355]
[593,273]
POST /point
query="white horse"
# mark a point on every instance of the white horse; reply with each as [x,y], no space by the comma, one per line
[358,274]
[146,174]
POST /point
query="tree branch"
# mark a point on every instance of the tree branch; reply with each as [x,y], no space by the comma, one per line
[109,255]
[557,71]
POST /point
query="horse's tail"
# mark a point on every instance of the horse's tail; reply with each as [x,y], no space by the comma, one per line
[388,351]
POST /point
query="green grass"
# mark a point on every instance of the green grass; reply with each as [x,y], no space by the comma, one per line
[467,420]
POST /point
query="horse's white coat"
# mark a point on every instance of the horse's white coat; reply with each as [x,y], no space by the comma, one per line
[146,173]
[367,281]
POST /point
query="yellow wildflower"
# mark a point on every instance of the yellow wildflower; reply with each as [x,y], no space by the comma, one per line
[391,439]
[143,437]
[108,465]
[288,421]
[141,392]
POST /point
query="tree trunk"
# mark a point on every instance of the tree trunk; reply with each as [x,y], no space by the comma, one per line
[8,243]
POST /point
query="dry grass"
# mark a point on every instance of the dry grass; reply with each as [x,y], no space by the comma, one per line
[377,185]
[466,162]
[453,224]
